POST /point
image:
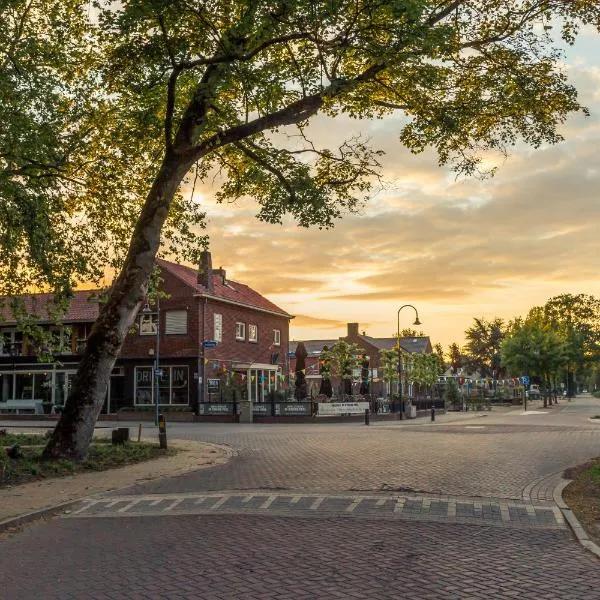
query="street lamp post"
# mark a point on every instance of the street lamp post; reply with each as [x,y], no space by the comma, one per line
[417,322]
[156,370]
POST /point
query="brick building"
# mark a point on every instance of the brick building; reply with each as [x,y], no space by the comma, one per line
[214,336]
[370,346]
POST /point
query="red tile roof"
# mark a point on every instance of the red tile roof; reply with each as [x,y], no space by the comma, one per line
[231,291]
[83,307]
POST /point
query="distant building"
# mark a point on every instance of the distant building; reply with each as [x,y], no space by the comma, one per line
[369,345]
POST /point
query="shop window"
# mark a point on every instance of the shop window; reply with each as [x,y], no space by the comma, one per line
[173,385]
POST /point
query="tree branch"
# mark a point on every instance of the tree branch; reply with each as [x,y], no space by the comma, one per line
[298,111]
[268,167]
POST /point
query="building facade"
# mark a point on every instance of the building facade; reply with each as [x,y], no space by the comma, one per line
[212,336]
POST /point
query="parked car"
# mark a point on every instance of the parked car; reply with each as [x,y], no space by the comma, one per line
[533,393]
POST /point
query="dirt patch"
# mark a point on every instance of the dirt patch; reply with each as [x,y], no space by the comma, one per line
[582,496]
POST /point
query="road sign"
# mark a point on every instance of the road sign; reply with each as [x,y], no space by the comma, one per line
[525,380]
[209,344]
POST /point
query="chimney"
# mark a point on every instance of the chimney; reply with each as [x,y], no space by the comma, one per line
[352,329]
[205,272]
[221,273]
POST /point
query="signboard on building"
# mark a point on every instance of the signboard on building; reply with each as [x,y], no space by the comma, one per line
[328,409]
[293,409]
[215,409]
[214,385]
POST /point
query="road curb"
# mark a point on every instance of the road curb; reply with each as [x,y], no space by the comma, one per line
[571,519]
[48,511]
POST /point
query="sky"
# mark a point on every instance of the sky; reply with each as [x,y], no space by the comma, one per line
[455,249]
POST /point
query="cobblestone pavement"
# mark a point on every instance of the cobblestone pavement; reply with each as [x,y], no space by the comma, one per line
[245,557]
[458,509]
[478,457]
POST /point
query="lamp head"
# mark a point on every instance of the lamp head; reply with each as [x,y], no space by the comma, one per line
[417,322]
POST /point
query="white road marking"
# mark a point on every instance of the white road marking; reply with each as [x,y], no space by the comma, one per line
[316,503]
[173,504]
[268,502]
[219,502]
[88,505]
[128,506]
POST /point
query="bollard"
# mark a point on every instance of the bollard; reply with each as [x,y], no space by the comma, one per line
[162,432]
[433,413]
[367,416]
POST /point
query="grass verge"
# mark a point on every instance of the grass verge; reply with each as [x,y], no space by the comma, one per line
[102,456]
[582,496]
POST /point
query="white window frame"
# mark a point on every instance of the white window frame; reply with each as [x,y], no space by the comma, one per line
[276,337]
[172,313]
[240,331]
[218,327]
[148,324]
[253,333]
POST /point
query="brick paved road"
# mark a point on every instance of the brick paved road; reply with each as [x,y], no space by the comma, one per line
[326,511]
[480,457]
[237,557]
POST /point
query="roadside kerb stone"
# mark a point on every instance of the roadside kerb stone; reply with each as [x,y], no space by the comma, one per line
[571,519]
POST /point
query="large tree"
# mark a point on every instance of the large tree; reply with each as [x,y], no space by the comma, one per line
[534,347]
[577,318]
[203,87]
[483,341]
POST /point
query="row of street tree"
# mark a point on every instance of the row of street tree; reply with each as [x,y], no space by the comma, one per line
[557,344]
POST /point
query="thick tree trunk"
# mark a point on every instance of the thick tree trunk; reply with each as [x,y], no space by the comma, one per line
[73,433]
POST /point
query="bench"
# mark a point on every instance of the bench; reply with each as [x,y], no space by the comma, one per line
[35,406]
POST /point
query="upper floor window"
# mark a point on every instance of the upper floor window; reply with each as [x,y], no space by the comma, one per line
[252,333]
[240,331]
[11,342]
[176,322]
[62,340]
[218,334]
[277,337]
[148,324]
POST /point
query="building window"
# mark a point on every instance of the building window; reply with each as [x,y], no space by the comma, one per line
[62,340]
[218,336]
[176,322]
[148,324]
[173,385]
[11,342]
[252,333]
[277,337]
[240,331]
